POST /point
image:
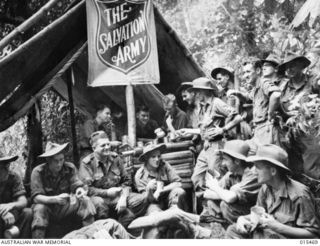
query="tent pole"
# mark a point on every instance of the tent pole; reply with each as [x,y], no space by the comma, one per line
[131,116]
[70,82]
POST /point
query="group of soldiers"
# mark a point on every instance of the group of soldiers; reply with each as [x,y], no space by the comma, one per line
[243,166]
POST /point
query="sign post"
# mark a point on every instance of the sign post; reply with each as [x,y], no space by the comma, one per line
[122,48]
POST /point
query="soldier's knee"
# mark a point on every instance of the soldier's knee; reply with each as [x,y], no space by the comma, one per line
[40,216]
[40,209]
[27,213]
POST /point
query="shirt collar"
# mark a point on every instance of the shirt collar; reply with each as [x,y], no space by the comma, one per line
[64,170]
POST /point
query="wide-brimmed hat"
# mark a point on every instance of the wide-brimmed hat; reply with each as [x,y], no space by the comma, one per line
[292,58]
[226,70]
[53,149]
[238,149]
[272,154]
[184,86]
[150,148]
[272,58]
[4,159]
[203,83]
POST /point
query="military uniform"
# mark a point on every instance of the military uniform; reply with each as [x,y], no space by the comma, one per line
[304,149]
[212,113]
[100,176]
[11,189]
[179,120]
[44,183]
[293,205]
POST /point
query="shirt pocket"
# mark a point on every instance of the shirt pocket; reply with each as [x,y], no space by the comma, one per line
[285,218]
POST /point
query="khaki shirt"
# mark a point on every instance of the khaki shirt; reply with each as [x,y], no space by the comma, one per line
[100,175]
[245,186]
[214,113]
[43,182]
[261,94]
[293,205]
[11,188]
[165,173]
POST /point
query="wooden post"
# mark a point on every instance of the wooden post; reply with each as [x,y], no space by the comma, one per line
[34,142]
[70,82]
[131,116]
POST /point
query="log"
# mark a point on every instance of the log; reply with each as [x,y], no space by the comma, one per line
[181,161]
[178,146]
[177,155]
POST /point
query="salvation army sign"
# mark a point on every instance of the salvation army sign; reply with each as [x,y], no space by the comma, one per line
[121,42]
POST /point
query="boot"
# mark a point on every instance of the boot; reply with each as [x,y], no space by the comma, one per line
[39,233]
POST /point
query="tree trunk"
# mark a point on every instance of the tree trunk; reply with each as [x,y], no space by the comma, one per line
[34,142]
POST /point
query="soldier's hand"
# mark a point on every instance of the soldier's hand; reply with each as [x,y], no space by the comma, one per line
[152,185]
[8,219]
[268,221]
[243,225]
[214,132]
[121,205]
[114,191]
[5,208]
[62,198]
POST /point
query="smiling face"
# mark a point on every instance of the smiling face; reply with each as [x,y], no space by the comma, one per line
[153,159]
[102,147]
[223,80]
[143,117]
[56,162]
[230,163]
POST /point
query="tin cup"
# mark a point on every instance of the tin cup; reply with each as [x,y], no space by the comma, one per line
[256,213]
[159,132]
[12,232]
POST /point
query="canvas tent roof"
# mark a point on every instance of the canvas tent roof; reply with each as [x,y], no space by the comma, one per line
[40,63]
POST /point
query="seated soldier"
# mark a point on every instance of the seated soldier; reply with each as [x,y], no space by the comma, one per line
[237,189]
[13,202]
[159,181]
[175,118]
[145,126]
[109,183]
[289,206]
[51,186]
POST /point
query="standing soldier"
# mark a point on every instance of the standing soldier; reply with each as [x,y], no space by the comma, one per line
[57,192]
[296,87]
[13,201]
[213,115]
[225,79]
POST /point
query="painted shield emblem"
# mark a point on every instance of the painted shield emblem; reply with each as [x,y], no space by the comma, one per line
[122,40]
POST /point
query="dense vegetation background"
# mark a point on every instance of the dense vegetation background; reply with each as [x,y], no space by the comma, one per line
[217,32]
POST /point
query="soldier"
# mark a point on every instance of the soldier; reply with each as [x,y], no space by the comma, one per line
[188,96]
[159,182]
[57,192]
[237,190]
[296,88]
[101,122]
[289,206]
[213,115]
[13,201]
[175,118]
[225,79]
[145,126]
[109,184]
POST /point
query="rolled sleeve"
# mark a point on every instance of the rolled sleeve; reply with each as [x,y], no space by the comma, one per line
[307,216]
[247,190]
[268,87]
[172,174]
[36,184]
